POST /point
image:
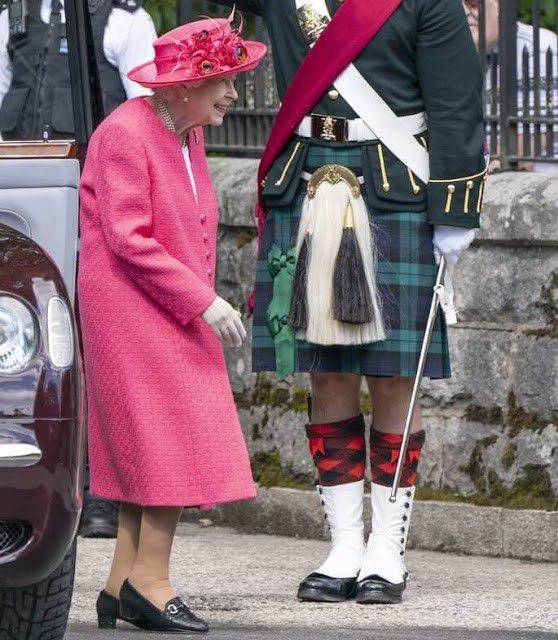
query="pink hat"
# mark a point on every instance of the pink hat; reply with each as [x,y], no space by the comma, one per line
[208,48]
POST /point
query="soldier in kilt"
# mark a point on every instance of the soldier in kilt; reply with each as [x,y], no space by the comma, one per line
[348,260]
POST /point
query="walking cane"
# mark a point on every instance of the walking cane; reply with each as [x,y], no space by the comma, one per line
[438,293]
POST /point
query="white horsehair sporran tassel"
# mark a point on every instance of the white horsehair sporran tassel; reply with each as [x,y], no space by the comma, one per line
[331,190]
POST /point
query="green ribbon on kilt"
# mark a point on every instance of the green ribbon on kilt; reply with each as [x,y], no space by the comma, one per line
[281,266]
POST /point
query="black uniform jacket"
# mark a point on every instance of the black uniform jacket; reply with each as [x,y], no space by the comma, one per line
[423,59]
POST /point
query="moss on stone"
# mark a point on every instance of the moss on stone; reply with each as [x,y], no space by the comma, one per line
[514,418]
[475,468]
[509,456]
[532,490]
[256,435]
[262,390]
[519,419]
[242,400]
[266,394]
[512,499]
[280,397]
[548,331]
[485,480]
[486,415]
[299,402]
[243,238]
[268,472]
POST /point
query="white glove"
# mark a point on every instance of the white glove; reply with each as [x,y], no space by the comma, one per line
[451,241]
[225,321]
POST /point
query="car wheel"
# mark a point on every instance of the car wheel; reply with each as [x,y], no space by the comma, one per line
[40,610]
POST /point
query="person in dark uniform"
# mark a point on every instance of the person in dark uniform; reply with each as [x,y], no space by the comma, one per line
[36,103]
[347,255]
[35,92]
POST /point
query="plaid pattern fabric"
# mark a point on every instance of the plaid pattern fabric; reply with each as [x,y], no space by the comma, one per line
[406,274]
[339,450]
[385,449]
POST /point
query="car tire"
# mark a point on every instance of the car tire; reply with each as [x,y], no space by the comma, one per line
[41,610]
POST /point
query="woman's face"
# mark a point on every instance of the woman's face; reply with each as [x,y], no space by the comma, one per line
[209,101]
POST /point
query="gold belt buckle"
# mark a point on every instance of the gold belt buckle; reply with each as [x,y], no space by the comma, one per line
[328,132]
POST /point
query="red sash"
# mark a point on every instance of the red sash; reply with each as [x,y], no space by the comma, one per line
[352,27]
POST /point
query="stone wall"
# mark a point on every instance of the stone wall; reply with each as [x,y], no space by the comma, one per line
[492,427]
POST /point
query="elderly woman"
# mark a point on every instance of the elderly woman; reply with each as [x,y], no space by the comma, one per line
[163,428]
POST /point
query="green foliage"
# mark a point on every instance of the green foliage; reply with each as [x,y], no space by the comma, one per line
[163,13]
[268,472]
[548,12]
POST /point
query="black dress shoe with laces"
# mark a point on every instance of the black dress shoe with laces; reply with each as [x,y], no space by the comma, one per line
[176,617]
[377,590]
[320,588]
[99,518]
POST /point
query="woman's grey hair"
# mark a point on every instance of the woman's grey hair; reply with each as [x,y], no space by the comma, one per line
[164,92]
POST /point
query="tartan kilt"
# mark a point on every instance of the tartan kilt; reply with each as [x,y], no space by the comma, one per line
[406,274]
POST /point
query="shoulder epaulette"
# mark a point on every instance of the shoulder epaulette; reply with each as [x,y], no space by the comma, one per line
[128,5]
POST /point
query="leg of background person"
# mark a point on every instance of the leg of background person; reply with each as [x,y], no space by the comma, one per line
[126,549]
[337,444]
[99,517]
[150,574]
[384,556]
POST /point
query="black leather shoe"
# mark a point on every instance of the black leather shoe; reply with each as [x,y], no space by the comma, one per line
[320,588]
[108,611]
[176,617]
[376,590]
[99,518]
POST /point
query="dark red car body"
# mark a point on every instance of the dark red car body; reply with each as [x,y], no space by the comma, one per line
[42,404]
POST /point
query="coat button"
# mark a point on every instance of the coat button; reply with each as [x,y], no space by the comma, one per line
[203,217]
[209,272]
[208,254]
[205,237]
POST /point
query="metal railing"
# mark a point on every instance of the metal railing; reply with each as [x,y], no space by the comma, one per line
[520,96]
[521,86]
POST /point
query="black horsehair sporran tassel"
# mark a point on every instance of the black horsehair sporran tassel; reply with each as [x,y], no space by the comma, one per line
[352,301]
[298,316]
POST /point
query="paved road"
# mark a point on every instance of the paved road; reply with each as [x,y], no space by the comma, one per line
[85,632]
[244,585]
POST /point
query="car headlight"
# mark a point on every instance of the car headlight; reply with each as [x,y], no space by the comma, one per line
[60,333]
[18,335]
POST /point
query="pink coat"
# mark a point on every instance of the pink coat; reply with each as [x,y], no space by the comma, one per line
[163,426]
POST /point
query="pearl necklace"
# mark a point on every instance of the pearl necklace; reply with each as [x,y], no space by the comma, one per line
[163,112]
